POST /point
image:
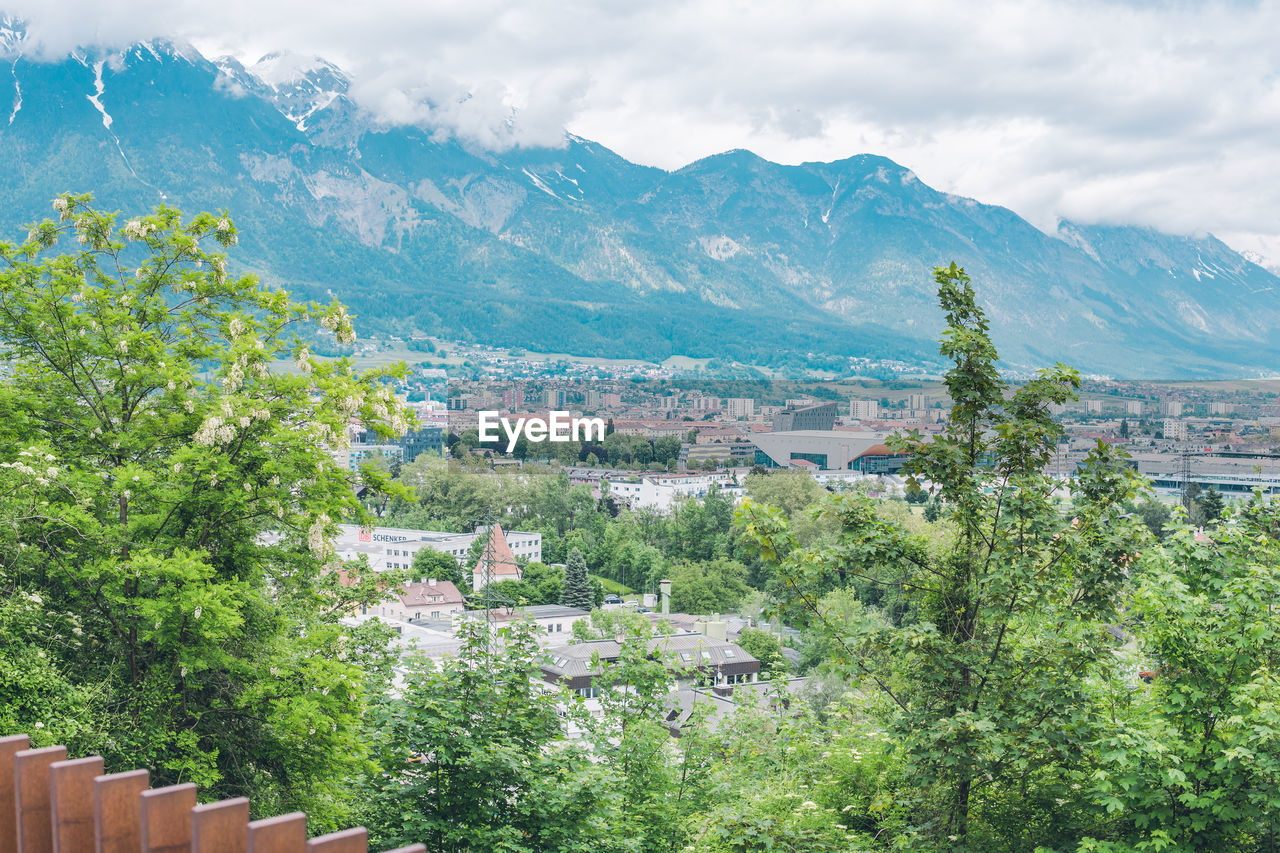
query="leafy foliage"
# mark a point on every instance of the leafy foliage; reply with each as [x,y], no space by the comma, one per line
[577,590]
[148,447]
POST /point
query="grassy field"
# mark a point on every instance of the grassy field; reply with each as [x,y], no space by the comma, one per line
[613,586]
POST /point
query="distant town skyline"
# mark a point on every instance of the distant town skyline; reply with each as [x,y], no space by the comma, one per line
[1143,113]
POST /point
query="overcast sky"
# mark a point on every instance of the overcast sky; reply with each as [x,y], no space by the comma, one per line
[1156,113]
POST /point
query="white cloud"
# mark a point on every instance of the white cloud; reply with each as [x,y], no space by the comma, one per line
[1162,114]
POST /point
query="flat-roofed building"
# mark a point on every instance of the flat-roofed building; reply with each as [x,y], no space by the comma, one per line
[815,416]
[827,450]
[692,657]
[394,547]
[554,620]
[1230,473]
[864,410]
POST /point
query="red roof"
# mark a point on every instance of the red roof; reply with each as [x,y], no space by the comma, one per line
[504,564]
[424,593]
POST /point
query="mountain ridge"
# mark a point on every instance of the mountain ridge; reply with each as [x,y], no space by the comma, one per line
[577,249]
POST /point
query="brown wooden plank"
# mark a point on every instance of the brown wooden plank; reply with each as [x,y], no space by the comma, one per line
[412,848]
[117,811]
[347,841]
[31,795]
[220,827]
[71,803]
[9,747]
[166,819]
[283,834]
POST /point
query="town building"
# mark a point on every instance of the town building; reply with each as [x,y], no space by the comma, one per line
[726,453]
[427,439]
[814,416]
[353,457]
[497,562]
[429,600]
[394,547]
[740,407]
[828,450]
[864,410]
[663,491]
[693,657]
[1231,473]
[556,621]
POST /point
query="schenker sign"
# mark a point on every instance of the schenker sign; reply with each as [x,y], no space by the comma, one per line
[558,426]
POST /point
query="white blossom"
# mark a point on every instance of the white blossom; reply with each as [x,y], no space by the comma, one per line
[207,434]
[315,536]
[136,229]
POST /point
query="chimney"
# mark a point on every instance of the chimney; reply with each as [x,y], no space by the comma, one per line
[665,586]
[431,581]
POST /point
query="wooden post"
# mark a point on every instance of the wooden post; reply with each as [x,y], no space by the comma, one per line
[412,848]
[166,819]
[9,747]
[220,827]
[71,803]
[348,841]
[31,793]
[283,834]
[117,811]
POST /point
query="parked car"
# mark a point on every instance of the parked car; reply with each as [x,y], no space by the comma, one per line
[613,598]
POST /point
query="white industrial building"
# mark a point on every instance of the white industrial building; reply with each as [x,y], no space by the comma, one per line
[394,547]
[663,491]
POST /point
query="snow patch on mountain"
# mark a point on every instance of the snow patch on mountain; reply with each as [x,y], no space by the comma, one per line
[96,97]
[13,36]
[298,85]
[17,92]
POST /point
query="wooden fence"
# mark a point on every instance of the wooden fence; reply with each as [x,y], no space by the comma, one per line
[51,805]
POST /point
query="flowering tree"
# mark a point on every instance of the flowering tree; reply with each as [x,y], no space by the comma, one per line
[150,453]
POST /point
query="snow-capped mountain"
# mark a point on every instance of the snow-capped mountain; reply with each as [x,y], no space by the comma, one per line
[575,248]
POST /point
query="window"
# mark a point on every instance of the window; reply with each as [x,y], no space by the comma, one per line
[686,657]
[558,627]
[706,655]
[435,614]
[730,653]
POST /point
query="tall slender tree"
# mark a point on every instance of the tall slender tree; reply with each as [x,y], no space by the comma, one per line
[577,586]
[988,687]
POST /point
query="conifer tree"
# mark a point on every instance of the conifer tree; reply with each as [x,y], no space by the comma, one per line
[577,586]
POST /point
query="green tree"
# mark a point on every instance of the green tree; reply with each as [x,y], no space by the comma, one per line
[716,586]
[1211,505]
[989,687]
[577,590]
[1155,515]
[764,647]
[153,447]
[1195,761]
[429,563]
[472,758]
